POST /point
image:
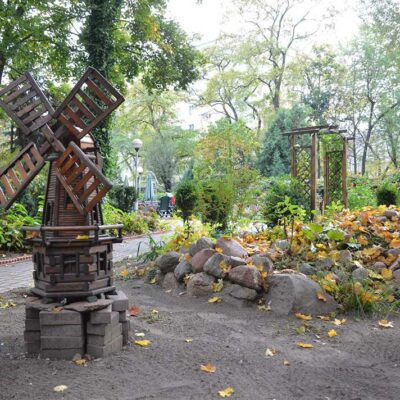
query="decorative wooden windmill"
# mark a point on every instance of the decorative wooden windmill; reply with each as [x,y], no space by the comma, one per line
[72,251]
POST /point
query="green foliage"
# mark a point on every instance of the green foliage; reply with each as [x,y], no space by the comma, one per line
[11,222]
[122,197]
[387,194]
[280,188]
[187,198]
[135,223]
[361,193]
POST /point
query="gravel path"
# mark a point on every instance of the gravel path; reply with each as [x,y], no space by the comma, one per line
[19,275]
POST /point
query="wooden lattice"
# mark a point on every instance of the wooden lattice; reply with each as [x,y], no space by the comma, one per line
[81,178]
[303,169]
[89,102]
[19,173]
[25,103]
[333,177]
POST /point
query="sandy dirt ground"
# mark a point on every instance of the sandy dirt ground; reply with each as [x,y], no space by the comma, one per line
[361,363]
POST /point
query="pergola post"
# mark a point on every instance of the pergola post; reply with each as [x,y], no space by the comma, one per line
[314,169]
[344,174]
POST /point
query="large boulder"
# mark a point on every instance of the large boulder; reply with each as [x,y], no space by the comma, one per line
[242,293]
[360,274]
[323,264]
[236,261]
[199,284]
[200,258]
[213,265]
[390,213]
[202,243]
[168,261]
[308,269]
[262,261]
[169,282]
[247,276]
[290,293]
[231,247]
[181,270]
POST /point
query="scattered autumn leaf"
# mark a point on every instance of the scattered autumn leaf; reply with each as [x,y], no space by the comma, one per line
[218,250]
[218,286]
[143,343]
[210,368]
[338,322]
[60,388]
[304,317]
[270,352]
[395,243]
[228,392]
[214,299]
[139,334]
[80,361]
[286,363]
[264,307]
[124,273]
[332,333]
[134,311]
[324,317]
[304,345]
[384,323]
[321,296]
[387,274]
[189,340]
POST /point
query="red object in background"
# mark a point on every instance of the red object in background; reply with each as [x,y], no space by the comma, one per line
[172,200]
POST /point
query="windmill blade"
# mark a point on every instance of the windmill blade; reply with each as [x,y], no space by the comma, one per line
[19,173]
[81,178]
[91,100]
[25,104]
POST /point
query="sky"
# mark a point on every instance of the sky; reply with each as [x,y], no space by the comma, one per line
[208,19]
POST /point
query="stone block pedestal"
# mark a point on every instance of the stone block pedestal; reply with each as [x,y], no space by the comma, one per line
[97,328]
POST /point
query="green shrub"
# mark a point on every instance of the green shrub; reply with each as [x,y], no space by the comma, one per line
[276,191]
[187,198]
[11,236]
[122,197]
[386,194]
[361,192]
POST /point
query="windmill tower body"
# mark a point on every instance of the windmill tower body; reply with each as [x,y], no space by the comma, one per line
[72,249]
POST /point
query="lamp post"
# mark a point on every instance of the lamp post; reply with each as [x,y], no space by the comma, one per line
[137,145]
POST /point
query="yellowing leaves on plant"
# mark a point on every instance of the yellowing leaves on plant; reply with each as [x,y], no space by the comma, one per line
[303,317]
[60,388]
[387,274]
[384,323]
[304,345]
[228,392]
[332,333]
[210,368]
[80,361]
[143,343]
[321,296]
[338,322]
[218,286]
[214,299]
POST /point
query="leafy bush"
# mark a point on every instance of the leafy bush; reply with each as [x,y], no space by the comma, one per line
[361,193]
[187,198]
[134,222]
[122,197]
[277,190]
[11,236]
[387,194]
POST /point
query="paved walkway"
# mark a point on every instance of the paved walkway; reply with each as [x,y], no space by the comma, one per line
[19,275]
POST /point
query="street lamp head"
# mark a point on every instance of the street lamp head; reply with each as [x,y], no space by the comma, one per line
[137,144]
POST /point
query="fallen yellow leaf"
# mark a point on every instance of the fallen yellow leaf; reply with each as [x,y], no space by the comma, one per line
[124,273]
[228,392]
[80,361]
[286,363]
[143,343]
[210,368]
[303,317]
[270,352]
[189,340]
[215,299]
[395,243]
[338,322]
[264,275]
[332,333]
[304,345]
[321,296]
[324,317]
[387,274]
[264,307]
[82,237]
[218,250]
[60,388]
[384,323]
[218,286]
[152,281]
[139,334]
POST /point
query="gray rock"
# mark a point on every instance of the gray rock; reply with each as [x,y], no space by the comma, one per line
[378,266]
[236,261]
[202,243]
[168,261]
[247,276]
[199,285]
[395,266]
[263,261]
[200,258]
[360,274]
[389,213]
[382,220]
[395,252]
[396,274]
[181,270]
[282,244]
[85,306]
[231,247]
[308,269]
[170,282]
[289,293]
[345,257]
[213,265]
[323,264]
[242,293]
